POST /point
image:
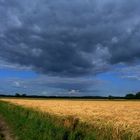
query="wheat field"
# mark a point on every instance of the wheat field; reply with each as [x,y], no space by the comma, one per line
[122,115]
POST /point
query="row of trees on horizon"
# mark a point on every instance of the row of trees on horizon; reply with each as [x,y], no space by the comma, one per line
[127,96]
[133,96]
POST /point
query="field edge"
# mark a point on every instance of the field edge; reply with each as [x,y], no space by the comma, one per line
[29,124]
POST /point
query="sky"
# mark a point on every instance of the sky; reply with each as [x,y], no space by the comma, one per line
[70,47]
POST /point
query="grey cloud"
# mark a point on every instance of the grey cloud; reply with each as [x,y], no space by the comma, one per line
[50,85]
[69,38]
[63,83]
[130,72]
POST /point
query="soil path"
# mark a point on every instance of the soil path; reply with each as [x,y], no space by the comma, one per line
[5,132]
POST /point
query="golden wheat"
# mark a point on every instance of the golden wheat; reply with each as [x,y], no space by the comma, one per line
[123,115]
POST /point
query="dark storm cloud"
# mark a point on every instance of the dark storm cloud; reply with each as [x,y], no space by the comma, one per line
[69,38]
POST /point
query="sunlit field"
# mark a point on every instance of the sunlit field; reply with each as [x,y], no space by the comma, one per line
[120,115]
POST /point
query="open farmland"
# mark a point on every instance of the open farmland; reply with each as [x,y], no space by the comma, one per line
[122,116]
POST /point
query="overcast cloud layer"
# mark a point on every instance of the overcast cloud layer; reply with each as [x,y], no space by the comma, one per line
[69,37]
[70,47]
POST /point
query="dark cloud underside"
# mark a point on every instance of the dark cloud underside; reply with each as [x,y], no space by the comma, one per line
[69,38]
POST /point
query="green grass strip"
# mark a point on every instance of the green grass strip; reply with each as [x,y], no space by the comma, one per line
[28,124]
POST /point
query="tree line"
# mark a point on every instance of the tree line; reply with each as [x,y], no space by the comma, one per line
[127,96]
[133,96]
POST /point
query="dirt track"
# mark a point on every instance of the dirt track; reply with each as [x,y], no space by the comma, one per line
[5,132]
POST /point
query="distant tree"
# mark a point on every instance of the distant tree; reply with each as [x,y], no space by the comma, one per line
[110,97]
[137,95]
[17,95]
[23,95]
[130,96]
